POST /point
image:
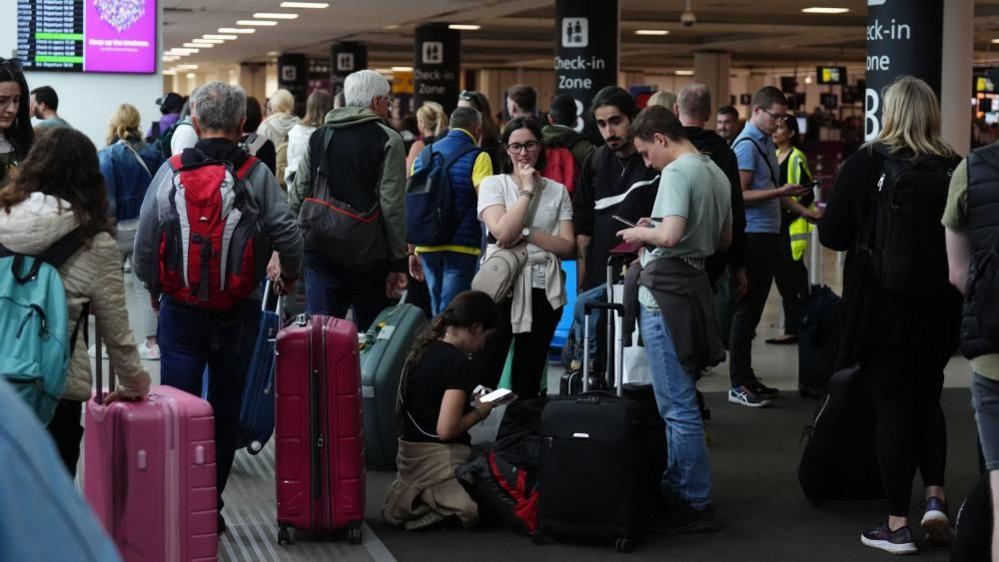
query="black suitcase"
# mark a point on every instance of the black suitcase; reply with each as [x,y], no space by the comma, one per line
[822,322]
[840,460]
[593,466]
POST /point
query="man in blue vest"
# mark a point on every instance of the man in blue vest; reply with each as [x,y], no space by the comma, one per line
[449,268]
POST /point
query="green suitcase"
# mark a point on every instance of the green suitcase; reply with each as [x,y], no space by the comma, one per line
[383,352]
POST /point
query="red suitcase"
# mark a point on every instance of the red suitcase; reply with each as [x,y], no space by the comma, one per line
[149,474]
[319,434]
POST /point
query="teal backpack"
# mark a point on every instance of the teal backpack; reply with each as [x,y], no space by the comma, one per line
[34,320]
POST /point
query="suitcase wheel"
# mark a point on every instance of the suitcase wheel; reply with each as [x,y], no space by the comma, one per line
[284,535]
[354,535]
[622,545]
[254,447]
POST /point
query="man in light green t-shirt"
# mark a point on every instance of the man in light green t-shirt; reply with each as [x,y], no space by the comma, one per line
[985,379]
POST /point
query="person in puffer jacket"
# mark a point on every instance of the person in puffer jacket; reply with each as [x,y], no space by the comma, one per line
[59,188]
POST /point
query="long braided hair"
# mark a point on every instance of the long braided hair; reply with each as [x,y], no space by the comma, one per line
[466,310]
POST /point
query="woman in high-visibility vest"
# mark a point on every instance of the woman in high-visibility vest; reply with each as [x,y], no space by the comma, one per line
[792,277]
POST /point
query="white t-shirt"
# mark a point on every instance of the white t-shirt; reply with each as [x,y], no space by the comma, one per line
[553,208]
[184,136]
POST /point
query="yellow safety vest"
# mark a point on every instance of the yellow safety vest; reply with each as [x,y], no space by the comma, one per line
[800,229]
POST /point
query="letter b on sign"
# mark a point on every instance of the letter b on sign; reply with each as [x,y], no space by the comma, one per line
[872,120]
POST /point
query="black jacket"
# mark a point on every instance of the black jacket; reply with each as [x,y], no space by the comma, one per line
[715,147]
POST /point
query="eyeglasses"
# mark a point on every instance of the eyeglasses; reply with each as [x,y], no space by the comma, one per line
[13,64]
[386,99]
[775,116]
[529,146]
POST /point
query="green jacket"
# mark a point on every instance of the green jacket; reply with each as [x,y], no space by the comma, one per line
[366,154]
[560,135]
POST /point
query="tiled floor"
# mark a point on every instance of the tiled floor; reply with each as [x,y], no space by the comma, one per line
[250,510]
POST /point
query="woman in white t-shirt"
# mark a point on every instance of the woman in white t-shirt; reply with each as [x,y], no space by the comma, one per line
[534,310]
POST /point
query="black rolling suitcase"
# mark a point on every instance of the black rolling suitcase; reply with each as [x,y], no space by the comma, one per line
[592,478]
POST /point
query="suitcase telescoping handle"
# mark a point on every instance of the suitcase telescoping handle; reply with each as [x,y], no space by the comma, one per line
[618,352]
[99,368]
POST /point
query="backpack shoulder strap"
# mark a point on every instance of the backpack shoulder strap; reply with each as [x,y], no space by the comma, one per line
[138,158]
[175,162]
[63,249]
[458,154]
[759,149]
[243,171]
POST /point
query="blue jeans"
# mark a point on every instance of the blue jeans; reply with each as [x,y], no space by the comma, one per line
[688,472]
[985,398]
[447,274]
[191,338]
[332,290]
[596,294]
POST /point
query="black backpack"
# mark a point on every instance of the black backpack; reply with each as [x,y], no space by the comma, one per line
[166,137]
[905,239]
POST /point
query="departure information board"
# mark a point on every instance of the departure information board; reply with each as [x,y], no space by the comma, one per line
[87,35]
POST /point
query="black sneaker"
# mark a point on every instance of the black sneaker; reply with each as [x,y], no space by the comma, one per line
[935,521]
[683,518]
[763,390]
[898,541]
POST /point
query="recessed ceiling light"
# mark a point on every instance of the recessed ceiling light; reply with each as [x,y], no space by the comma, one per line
[464,27]
[236,30]
[808,79]
[223,37]
[169,72]
[208,41]
[305,4]
[820,10]
[652,32]
[391,27]
[261,23]
[273,54]
[182,51]
[402,69]
[199,45]
[186,67]
[995,41]
[191,76]
[275,16]
[684,72]
[170,58]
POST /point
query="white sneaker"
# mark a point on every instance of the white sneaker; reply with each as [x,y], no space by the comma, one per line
[149,353]
[93,351]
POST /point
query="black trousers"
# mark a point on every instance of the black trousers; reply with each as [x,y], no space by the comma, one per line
[911,432]
[765,254]
[530,350]
[67,432]
[792,283]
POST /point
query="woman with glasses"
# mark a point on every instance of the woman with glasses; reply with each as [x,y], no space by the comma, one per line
[490,141]
[16,134]
[521,208]
[902,334]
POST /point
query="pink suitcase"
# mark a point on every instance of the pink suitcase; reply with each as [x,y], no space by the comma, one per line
[149,474]
[319,434]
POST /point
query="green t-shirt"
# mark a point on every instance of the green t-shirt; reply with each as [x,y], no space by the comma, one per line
[694,188]
[955,218]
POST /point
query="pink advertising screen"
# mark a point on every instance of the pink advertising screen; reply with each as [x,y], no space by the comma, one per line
[88,35]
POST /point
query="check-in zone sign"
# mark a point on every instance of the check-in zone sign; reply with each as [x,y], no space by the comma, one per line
[433,52]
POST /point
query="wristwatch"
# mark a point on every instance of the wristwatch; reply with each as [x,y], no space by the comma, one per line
[525,232]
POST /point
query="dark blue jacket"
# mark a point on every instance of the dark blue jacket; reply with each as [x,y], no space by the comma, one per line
[469,233]
[125,178]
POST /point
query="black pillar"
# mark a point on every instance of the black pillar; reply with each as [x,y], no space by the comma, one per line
[345,58]
[293,75]
[903,38]
[437,68]
[586,48]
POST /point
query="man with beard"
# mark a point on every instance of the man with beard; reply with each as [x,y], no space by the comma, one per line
[613,181]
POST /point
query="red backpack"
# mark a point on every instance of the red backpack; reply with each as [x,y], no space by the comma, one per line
[207,249]
[560,165]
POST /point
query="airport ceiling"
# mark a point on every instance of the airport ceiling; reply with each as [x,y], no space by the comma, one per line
[519,33]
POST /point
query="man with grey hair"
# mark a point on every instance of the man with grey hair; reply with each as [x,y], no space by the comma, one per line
[693,108]
[349,194]
[449,265]
[185,226]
